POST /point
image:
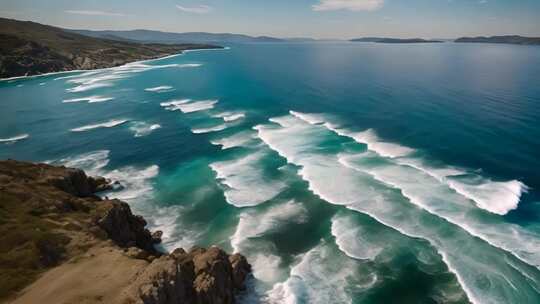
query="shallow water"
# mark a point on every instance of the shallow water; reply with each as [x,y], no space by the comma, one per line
[346,173]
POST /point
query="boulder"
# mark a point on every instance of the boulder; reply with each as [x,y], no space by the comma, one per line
[126,229]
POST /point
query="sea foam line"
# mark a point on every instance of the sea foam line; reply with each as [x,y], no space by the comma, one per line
[486,195]
[108,124]
[89,99]
[493,204]
[196,106]
[241,175]
[110,68]
[368,137]
[159,89]
[217,128]
[14,138]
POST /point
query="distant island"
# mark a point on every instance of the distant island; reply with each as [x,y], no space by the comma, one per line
[394,40]
[511,39]
[29,48]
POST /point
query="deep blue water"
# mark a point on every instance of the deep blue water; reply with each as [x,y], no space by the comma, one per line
[346,173]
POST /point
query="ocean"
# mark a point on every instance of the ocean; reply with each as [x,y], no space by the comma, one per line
[344,172]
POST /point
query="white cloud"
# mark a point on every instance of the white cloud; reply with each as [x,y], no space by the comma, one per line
[95,13]
[199,9]
[352,5]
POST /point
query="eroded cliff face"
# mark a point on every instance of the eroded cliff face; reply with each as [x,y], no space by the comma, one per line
[101,251]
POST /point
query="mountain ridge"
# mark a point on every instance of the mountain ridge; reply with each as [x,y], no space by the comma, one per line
[30,48]
[153,36]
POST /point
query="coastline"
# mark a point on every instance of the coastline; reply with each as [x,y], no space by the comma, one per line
[103,69]
[82,237]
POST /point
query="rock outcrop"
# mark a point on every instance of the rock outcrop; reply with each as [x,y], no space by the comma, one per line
[51,215]
[200,276]
[126,229]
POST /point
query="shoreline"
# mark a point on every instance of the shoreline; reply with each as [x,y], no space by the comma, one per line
[83,236]
[103,69]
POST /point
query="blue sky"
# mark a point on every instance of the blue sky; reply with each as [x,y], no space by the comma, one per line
[291,18]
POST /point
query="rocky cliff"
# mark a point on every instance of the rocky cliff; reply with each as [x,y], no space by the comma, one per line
[59,243]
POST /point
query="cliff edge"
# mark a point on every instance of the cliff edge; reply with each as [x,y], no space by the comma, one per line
[60,243]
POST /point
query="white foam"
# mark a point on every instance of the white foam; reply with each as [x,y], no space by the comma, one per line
[496,197]
[253,224]
[89,99]
[82,75]
[14,138]
[236,140]
[230,116]
[368,137]
[435,196]
[108,124]
[217,128]
[351,239]
[87,87]
[240,176]
[135,181]
[197,106]
[439,173]
[138,67]
[173,105]
[42,84]
[141,128]
[314,119]
[159,89]
[190,65]
[92,162]
[470,258]
[322,277]
[126,66]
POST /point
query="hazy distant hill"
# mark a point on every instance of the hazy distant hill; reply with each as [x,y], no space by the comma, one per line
[514,39]
[394,40]
[168,37]
[29,48]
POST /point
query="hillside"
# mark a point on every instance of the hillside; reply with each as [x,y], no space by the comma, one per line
[60,243]
[149,36]
[394,40]
[514,39]
[29,48]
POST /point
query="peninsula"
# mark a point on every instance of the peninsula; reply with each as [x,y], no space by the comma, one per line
[29,48]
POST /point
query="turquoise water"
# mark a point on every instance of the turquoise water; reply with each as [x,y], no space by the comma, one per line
[346,173]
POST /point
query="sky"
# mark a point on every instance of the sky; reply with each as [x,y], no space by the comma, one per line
[341,19]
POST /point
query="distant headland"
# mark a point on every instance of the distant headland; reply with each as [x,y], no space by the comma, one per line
[510,39]
[29,48]
[394,40]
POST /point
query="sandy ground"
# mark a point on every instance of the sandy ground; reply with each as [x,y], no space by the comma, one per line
[99,276]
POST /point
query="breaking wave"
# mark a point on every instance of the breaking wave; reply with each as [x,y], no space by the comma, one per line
[108,124]
[159,89]
[14,139]
[196,106]
[240,176]
[89,99]
[470,258]
[217,128]
[141,128]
